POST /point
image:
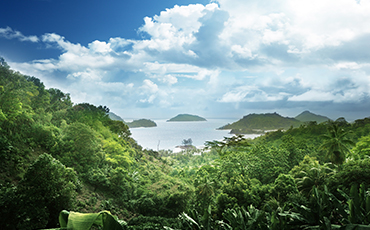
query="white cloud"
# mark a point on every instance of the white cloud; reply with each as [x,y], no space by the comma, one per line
[115,87]
[9,33]
[338,90]
[63,44]
[166,79]
[119,43]
[149,86]
[100,47]
[242,51]
[304,26]
[347,65]
[234,96]
[313,95]
[202,74]
[170,71]
[77,58]
[319,96]
[173,32]
[162,68]
[178,23]
[251,94]
[88,75]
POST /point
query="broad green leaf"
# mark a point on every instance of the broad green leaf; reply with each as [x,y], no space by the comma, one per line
[84,221]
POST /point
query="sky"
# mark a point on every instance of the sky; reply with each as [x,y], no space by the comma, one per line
[217,59]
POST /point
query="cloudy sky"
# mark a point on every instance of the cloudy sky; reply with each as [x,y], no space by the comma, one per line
[225,58]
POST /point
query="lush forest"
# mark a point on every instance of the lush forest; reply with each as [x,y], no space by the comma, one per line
[56,155]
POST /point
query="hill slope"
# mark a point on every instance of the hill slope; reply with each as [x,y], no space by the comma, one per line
[308,116]
[115,117]
[80,159]
[187,117]
[257,123]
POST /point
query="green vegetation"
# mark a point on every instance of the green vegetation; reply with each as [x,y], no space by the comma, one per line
[258,123]
[56,155]
[187,117]
[141,123]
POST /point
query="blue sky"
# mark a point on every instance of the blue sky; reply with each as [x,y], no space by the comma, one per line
[226,58]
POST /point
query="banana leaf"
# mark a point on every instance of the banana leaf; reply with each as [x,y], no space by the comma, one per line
[84,221]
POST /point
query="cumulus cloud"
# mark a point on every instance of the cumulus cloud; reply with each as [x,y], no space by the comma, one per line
[151,94]
[100,47]
[149,86]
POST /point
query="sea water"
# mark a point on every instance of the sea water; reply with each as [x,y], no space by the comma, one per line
[168,135]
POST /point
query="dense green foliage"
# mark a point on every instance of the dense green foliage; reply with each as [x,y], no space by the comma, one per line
[187,117]
[56,155]
[141,123]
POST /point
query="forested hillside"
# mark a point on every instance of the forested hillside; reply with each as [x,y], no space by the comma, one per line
[56,155]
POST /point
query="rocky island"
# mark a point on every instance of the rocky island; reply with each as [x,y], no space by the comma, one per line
[260,123]
[141,123]
[187,117]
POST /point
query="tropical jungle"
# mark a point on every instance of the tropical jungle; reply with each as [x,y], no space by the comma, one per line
[69,166]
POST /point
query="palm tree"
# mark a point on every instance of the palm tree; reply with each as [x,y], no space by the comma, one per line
[336,144]
[314,177]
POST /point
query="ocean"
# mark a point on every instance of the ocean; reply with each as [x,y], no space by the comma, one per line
[168,135]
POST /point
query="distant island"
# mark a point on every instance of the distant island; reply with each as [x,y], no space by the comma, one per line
[260,123]
[115,117]
[187,117]
[141,123]
[307,116]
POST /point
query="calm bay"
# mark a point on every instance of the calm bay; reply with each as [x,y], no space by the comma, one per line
[168,135]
